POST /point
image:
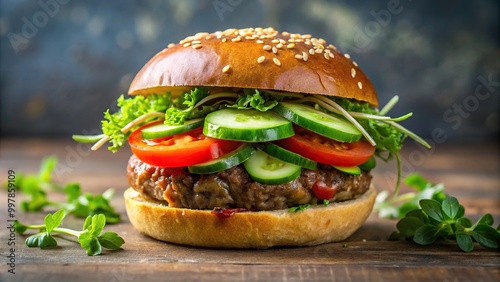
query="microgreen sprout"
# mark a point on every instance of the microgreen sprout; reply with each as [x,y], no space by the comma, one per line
[90,237]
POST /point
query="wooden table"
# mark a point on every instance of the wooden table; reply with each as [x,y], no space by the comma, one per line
[470,172]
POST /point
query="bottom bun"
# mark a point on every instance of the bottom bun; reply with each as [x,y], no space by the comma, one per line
[263,229]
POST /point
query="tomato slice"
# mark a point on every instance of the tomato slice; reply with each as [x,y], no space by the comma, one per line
[185,149]
[325,150]
[323,191]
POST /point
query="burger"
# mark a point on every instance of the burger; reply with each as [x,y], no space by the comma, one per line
[250,138]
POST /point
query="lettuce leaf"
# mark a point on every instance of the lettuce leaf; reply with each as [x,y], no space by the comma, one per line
[130,109]
[253,99]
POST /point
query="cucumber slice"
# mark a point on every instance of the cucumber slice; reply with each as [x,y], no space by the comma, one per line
[163,130]
[289,156]
[228,160]
[267,169]
[247,125]
[354,170]
[368,165]
[322,123]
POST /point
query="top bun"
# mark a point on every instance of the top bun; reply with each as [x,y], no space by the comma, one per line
[260,58]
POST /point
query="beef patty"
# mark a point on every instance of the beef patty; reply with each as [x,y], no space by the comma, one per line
[233,188]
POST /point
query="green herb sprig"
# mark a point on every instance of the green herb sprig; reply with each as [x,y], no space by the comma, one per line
[429,214]
[435,220]
[397,207]
[37,186]
[90,237]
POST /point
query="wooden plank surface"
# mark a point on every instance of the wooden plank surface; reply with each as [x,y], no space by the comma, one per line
[470,172]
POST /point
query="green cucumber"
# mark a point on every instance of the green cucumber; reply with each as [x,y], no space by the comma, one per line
[247,125]
[267,169]
[289,156]
[226,161]
[163,130]
[354,170]
[368,165]
[328,125]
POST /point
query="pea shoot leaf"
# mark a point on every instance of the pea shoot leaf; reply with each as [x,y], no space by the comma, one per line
[54,220]
[41,240]
[90,243]
[111,240]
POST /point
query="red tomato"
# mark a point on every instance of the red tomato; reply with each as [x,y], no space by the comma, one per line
[322,191]
[180,150]
[325,150]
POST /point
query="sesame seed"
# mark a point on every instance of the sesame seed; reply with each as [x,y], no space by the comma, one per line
[305,57]
[354,63]
[260,41]
[291,40]
[360,85]
[226,68]
[170,45]
[353,72]
[275,50]
[237,39]
[326,56]
[224,39]
[318,51]
[266,47]
[187,44]
[196,42]
[279,46]
[311,51]
[298,57]
[290,46]
[261,59]
[275,41]
[208,37]
[201,34]
[197,46]
[347,55]
[276,61]
[332,55]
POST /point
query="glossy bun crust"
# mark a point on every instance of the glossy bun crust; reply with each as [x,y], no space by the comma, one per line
[254,58]
[315,225]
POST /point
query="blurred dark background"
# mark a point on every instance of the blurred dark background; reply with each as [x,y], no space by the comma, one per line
[64,62]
